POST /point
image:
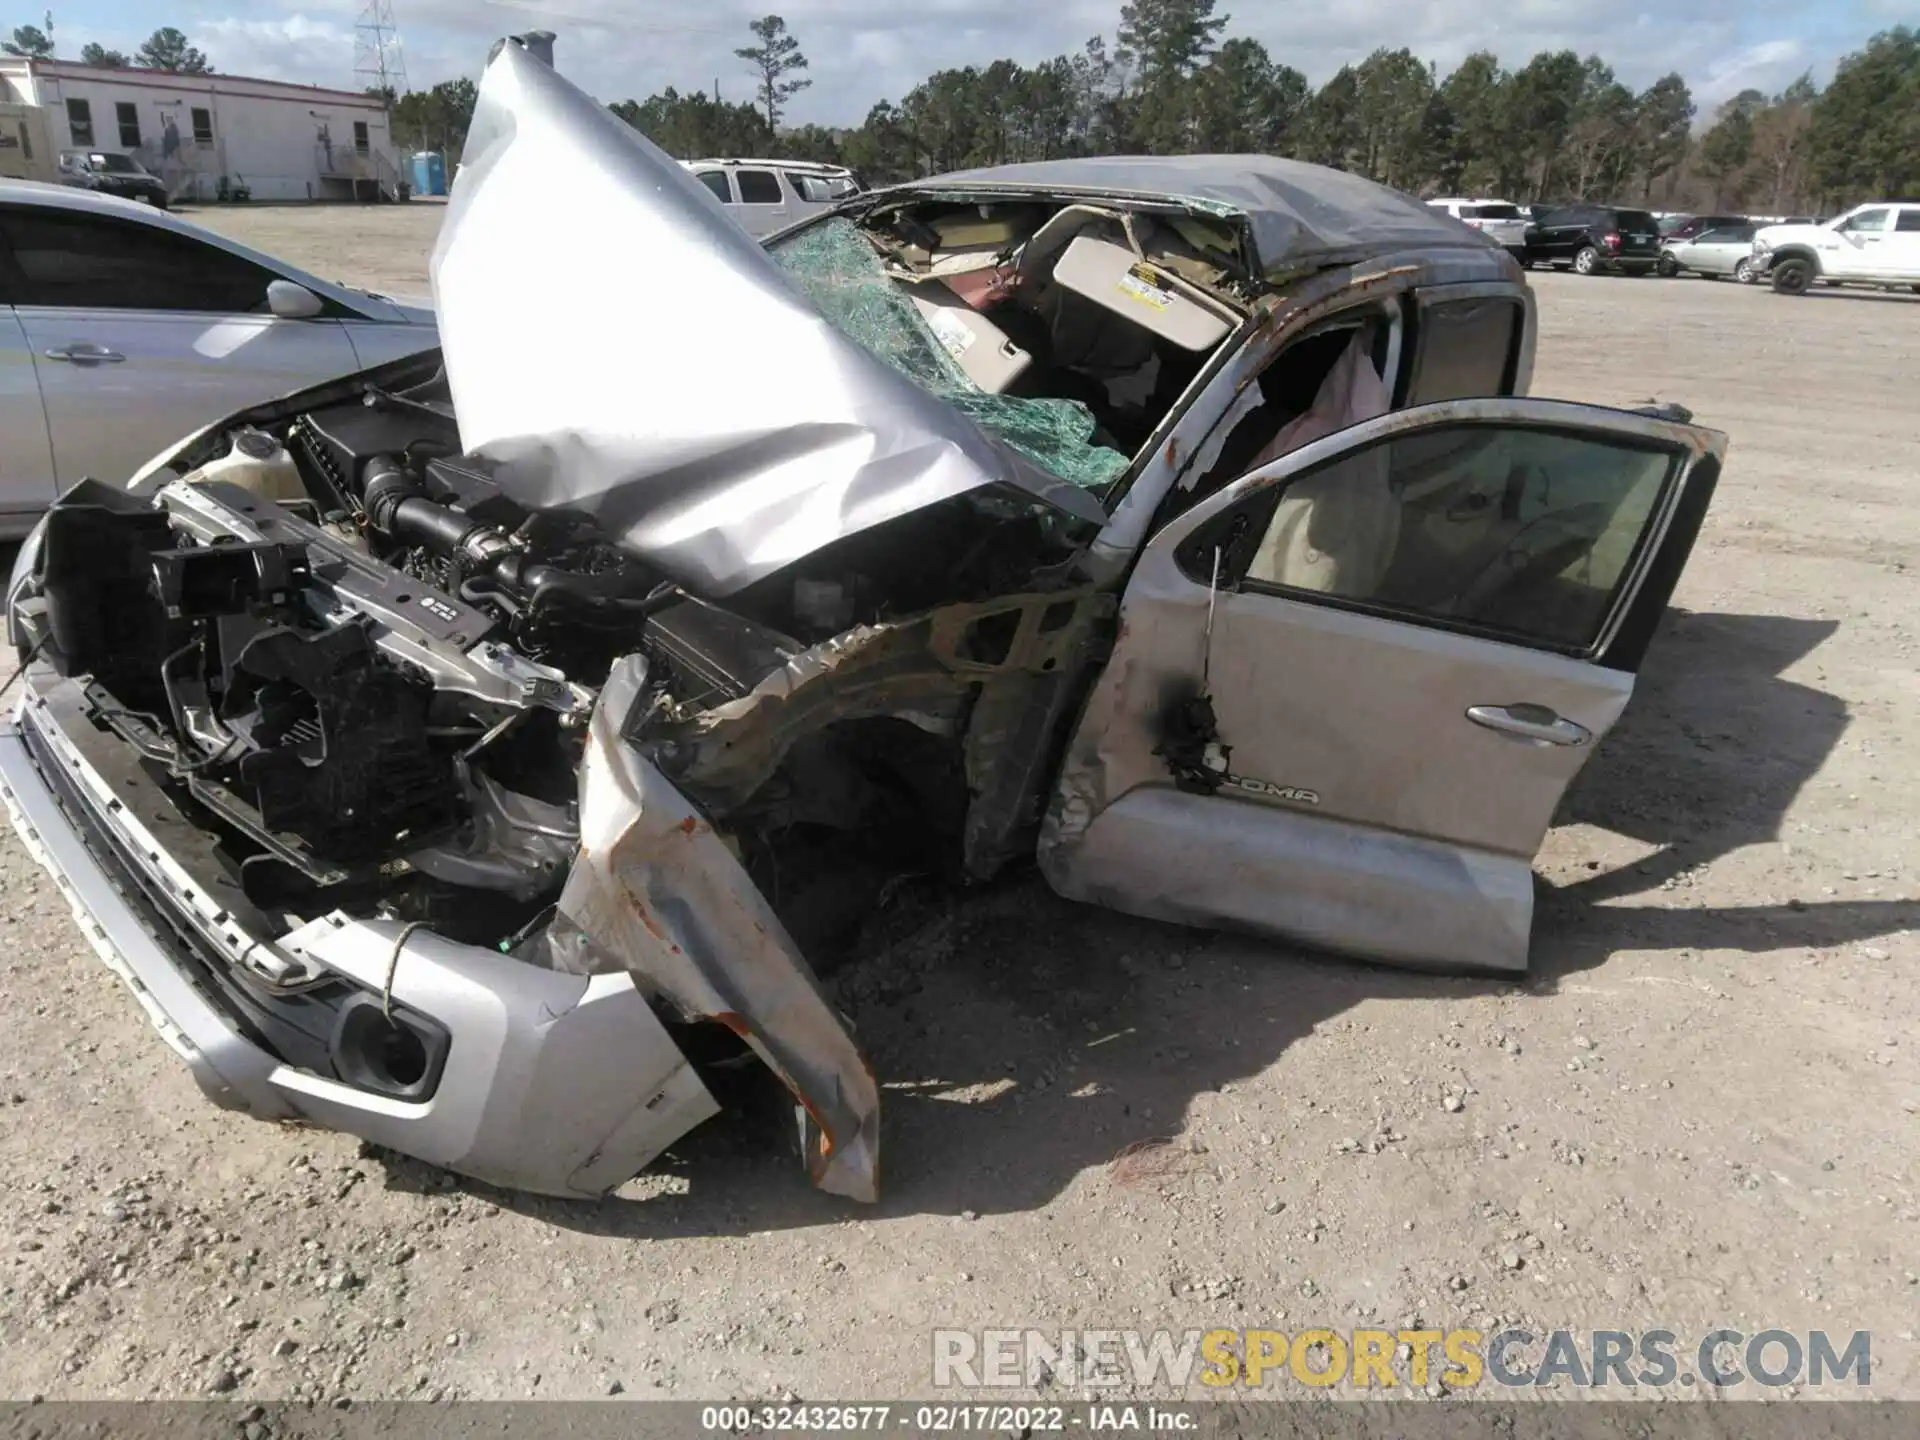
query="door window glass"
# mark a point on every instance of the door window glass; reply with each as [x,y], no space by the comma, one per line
[1466,347]
[84,262]
[757,187]
[80,122]
[1870,222]
[1496,529]
[716,181]
[1908,222]
[128,116]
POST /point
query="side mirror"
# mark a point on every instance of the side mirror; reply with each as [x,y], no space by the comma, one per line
[293,302]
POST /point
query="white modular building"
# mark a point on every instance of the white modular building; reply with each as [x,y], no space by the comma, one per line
[210,135]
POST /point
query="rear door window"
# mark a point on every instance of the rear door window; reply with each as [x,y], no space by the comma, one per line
[1465,348]
[1908,222]
[758,187]
[1492,212]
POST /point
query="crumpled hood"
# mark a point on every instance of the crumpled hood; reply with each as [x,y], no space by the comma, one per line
[619,346]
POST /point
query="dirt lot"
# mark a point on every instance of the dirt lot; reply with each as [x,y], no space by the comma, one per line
[1699,1110]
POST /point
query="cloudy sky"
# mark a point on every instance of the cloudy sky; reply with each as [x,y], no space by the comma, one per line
[868,50]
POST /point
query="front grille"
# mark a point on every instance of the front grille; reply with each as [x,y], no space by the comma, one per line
[296,1027]
[158,914]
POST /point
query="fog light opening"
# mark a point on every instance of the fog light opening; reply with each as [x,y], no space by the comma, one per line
[400,1056]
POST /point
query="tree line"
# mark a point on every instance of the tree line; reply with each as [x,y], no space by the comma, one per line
[1560,126]
[1171,81]
[166,49]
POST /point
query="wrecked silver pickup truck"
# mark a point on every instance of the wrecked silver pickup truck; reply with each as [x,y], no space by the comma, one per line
[465,754]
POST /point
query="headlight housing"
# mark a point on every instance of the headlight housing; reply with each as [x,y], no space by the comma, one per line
[24,564]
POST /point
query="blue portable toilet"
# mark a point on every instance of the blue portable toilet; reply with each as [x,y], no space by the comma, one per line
[429,173]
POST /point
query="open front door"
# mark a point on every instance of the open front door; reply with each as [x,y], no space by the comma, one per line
[1350,689]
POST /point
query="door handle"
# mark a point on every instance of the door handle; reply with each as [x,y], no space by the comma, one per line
[85,352]
[1536,724]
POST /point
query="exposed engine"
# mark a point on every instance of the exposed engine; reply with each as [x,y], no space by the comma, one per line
[360,657]
[343,642]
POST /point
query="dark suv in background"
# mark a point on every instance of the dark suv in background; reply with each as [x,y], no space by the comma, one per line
[112,172]
[1592,238]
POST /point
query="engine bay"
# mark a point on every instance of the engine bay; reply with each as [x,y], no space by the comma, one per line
[342,649]
[358,655]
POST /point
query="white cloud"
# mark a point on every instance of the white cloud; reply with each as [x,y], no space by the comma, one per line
[862,51]
[1769,66]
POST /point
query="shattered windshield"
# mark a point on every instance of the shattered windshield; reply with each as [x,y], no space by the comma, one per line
[840,273]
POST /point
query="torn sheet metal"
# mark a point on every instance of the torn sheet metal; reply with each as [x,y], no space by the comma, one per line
[936,669]
[656,891]
[622,348]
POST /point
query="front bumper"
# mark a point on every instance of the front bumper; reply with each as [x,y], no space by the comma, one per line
[143,194]
[555,1083]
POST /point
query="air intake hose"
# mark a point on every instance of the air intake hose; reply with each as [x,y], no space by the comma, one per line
[398,509]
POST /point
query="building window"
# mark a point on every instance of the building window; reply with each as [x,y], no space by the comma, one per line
[202,126]
[361,141]
[128,114]
[80,121]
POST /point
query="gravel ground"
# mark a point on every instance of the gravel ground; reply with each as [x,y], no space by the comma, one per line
[1697,1110]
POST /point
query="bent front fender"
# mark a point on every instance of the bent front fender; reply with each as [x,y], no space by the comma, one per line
[657,892]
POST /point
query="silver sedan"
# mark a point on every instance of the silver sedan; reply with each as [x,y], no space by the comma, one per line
[123,328]
[1712,254]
